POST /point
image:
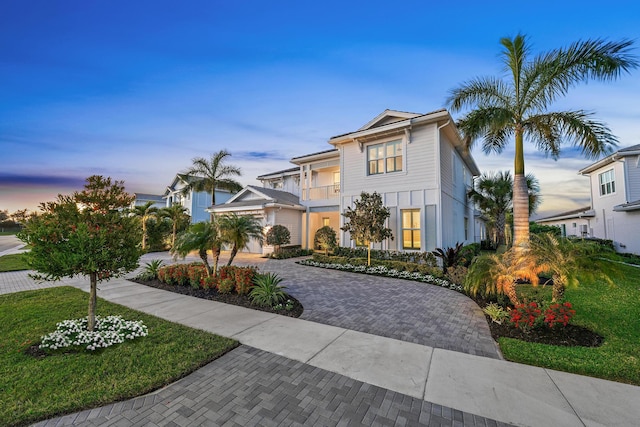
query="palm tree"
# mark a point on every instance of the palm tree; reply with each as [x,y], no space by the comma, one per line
[200,237]
[569,261]
[493,194]
[519,106]
[239,230]
[178,216]
[144,212]
[213,174]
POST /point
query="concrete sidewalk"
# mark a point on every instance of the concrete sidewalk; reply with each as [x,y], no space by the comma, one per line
[496,389]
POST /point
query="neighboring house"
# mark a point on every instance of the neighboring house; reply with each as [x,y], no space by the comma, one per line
[615,198]
[417,162]
[197,202]
[575,223]
[142,199]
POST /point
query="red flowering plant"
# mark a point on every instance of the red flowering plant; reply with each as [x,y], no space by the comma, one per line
[196,272]
[558,314]
[524,316]
[244,279]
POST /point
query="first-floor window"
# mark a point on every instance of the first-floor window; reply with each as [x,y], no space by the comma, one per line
[411,229]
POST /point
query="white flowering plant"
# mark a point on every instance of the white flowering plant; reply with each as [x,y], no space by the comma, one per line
[384,271]
[108,331]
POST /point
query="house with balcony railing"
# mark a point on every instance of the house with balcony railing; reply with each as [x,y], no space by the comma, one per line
[417,162]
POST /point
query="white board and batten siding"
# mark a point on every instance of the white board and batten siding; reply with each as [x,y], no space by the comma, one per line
[415,187]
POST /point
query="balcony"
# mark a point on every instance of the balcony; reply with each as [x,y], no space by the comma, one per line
[321,193]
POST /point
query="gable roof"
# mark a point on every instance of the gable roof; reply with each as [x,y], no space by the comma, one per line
[388,116]
[384,125]
[633,150]
[266,197]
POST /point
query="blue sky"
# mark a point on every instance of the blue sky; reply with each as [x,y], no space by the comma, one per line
[136,89]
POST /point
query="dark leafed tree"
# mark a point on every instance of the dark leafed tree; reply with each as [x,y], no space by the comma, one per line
[518,106]
[366,222]
[214,174]
[86,233]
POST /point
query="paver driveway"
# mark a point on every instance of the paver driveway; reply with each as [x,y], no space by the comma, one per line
[395,308]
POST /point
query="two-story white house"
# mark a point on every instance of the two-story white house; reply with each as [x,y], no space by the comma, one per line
[417,162]
[196,202]
[614,214]
[615,198]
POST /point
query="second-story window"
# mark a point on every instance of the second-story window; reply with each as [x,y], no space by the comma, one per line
[607,182]
[384,158]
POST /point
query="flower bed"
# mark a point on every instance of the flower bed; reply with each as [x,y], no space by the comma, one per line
[380,270]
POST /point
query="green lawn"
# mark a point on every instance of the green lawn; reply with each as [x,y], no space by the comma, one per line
[34,389]
[13,262]
[614,313]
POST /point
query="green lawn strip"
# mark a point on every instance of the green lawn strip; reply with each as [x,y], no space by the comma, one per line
[612,312]
[35,389]
[13,262]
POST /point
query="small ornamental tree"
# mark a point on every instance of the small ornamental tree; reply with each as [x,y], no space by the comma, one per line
[365,223]
[325,238]
[277,236]
[86,233]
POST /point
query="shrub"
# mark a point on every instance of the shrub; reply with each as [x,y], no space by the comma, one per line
[210,282]
[457,274]
[496,312]
[325,239]
[277,236]
[267,290]
[468,253]
[558,314]
[244,279]
[151,270]
[174,274]
[196,273]
[525,316]
[225,286]
[290,252]
[450,256]
[426,258]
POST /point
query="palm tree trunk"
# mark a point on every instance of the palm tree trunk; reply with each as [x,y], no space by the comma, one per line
[174,232]
[205,261]
[93,298]
[144,234]
[520,197]
[234,252]
[500,224]
[215,252]
[510,292]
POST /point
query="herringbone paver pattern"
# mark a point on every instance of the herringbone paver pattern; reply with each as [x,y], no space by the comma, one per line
[250,387]
[394,308]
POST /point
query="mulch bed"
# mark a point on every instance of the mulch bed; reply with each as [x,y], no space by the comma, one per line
[213,295]
[569,336]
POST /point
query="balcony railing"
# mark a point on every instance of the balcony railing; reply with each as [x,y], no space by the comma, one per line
[321,193]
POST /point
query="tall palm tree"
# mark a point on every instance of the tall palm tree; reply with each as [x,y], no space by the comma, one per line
[518,106]
[493,194]
[214,174]
[145,213]
[200,237]
[178,216]
[239,230]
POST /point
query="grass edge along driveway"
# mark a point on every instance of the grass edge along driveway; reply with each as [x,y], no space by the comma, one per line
[36,389]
